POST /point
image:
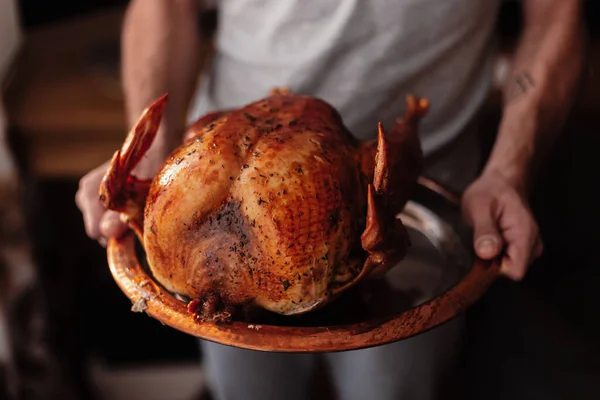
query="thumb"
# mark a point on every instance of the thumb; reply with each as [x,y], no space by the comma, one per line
[111,225]
[486,238]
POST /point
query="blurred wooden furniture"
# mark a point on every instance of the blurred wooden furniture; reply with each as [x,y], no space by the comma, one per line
[64,98]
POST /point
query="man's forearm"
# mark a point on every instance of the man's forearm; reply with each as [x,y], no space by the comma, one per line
[160,46]
[540,90]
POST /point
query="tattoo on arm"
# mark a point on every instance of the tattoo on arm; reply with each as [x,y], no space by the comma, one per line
[521,84]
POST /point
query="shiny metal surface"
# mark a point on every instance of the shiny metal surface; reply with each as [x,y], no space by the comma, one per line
[438,256]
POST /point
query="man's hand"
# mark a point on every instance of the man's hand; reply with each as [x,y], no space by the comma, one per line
[545,74]
[501,220]
[100,223]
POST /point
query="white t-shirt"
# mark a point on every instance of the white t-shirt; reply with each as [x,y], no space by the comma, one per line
[364,57]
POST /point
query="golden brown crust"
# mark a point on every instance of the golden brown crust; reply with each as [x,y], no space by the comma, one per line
[265,205]
[259,206]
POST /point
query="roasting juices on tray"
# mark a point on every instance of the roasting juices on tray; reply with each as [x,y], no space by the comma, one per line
[274,205]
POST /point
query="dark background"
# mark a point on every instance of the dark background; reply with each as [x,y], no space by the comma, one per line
[39,12]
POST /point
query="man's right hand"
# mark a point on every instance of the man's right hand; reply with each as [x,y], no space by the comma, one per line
[100,223]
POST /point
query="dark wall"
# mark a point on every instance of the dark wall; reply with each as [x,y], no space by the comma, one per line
[39,12]
[511,17]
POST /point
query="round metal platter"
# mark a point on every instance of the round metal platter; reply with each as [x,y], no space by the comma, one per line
[438,279]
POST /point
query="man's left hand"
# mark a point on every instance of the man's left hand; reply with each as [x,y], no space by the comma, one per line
[502,221]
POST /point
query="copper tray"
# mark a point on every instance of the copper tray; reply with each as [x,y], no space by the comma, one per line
[439,279]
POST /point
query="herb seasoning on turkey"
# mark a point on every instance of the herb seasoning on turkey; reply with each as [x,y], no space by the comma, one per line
[274,205]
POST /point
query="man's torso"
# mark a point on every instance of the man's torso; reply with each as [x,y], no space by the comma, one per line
[363,57]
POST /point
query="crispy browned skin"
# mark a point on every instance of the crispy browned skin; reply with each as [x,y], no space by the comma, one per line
[260,206]
[274,204]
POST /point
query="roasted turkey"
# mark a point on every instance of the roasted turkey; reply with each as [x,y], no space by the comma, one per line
[273,205]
